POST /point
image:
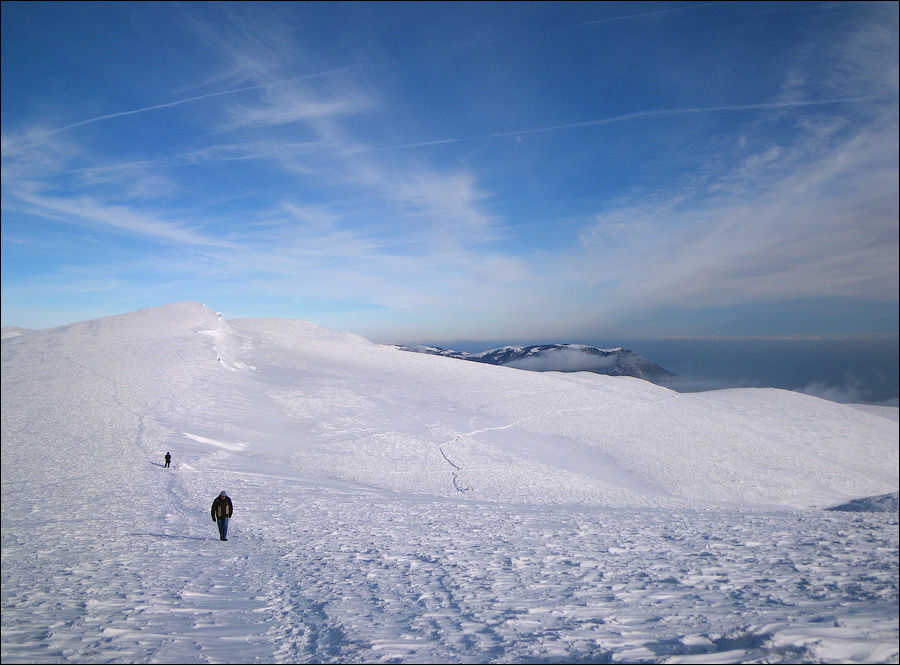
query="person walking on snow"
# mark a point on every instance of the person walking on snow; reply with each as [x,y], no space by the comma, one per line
[168,459]
[220,512]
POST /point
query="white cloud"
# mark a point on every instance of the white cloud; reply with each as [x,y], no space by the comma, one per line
[88,211]
[287,104]
[448,202]
[565,360]
[311,217]
[807,217]
[33,163]
[814,220]
[851,392]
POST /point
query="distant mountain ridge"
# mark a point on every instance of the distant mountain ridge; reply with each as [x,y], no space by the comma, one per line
[883,503]
[616,361]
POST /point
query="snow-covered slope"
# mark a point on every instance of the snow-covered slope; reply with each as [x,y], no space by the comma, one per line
[337,406]
[414,423]
[393,505]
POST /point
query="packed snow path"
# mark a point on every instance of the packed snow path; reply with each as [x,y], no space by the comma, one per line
[108,557]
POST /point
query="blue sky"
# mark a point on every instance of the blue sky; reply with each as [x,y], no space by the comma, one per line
[452,170]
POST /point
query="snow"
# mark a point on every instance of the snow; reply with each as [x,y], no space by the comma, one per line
[891,412]
[543,358]
[885,503]
[565,359]
[10,332]
[515,349]
[401,507]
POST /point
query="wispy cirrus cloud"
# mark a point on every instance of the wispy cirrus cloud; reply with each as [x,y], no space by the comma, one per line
[313,187]
[37,180]
[288,104]
[317,247]
[88,211]
[451,202]
[813,221]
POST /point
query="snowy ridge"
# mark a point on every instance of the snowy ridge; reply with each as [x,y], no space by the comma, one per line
[559,358]
[395,506]
[9,332]
[227,345]
[885,503]
[891,412]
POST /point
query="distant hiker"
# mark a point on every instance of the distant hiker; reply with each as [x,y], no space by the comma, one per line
[221,511]
[168,459]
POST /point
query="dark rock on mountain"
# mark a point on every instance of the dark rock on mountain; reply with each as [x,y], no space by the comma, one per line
[883,503]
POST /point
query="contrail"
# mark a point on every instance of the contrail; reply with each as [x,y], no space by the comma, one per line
[630,16]
[178,102]
[637,115]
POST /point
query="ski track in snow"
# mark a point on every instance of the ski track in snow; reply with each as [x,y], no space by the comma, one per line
[108,557]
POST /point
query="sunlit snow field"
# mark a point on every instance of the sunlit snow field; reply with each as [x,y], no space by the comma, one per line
[400,507]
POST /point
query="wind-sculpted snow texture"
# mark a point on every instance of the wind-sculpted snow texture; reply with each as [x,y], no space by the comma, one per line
[399,507]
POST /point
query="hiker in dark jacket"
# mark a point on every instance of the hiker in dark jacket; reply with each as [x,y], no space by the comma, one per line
[220,512]
[168,459]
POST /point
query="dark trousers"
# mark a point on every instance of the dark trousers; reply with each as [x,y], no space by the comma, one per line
[166,465]
[223,526]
